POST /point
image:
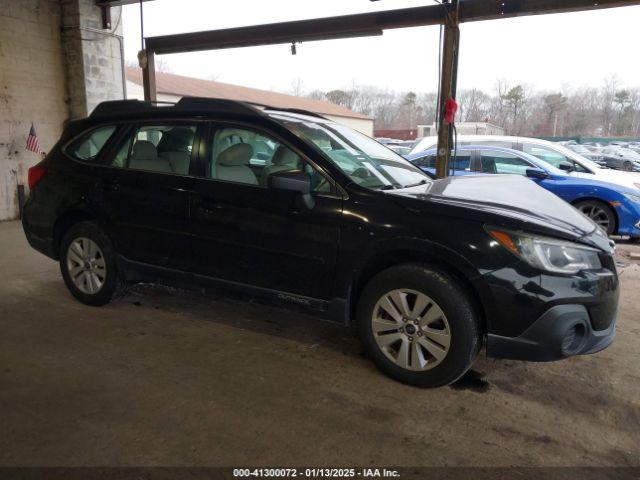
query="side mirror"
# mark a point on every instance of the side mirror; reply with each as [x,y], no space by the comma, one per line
[566,166]
[537,173]
[294,181]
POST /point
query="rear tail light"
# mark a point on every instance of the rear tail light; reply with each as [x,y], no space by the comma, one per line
[35,175]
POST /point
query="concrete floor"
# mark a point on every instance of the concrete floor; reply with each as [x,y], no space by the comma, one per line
[164,377]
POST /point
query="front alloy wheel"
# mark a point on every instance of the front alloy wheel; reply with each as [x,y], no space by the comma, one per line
[419,325]
[411,329]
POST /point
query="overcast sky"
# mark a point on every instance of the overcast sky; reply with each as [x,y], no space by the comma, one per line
[549,52]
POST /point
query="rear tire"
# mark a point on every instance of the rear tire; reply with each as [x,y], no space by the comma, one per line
[627,167]
[418,325]
[599,212]
[88,264]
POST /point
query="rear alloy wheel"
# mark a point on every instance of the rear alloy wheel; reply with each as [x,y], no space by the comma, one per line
[600,213]
[88,264]
[418,325]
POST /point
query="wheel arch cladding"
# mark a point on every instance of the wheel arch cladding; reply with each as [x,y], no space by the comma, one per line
[64,223]
[382,260]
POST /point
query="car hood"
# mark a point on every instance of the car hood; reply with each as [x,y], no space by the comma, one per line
[626,179]
[512,197]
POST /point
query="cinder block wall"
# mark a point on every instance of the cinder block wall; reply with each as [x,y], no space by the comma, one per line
[92,56]
[55,63]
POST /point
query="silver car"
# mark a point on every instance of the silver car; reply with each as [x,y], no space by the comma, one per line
[621,158]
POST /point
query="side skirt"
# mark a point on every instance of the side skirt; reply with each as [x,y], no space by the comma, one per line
[335,310]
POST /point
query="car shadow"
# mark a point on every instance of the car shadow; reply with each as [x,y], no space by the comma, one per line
[246,313]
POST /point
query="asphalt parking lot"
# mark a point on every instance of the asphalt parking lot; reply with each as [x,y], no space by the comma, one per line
[166,377]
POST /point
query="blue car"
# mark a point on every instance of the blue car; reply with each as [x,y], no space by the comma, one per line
[615,208]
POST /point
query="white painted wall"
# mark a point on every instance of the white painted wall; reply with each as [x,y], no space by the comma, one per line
[360,124]
[32,89]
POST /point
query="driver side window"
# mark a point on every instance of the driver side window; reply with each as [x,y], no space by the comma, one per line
[249,157]
[552,157]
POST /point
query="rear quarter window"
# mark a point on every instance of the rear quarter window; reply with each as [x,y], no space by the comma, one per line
[88,146]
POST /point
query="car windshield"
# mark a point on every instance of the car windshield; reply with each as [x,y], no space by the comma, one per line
[365,161]
[580,149]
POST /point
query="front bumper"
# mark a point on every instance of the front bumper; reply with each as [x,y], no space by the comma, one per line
[562,332]
[543,317]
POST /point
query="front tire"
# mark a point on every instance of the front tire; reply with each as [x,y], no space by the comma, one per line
[600,213]
[418,325]
[88,264]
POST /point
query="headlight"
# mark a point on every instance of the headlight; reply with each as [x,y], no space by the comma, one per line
[632,197]
[548,253]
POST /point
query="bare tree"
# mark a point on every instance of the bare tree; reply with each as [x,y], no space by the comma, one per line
[297,87]
[554,104]
[340,97]
[162,65]
[521,110]
[609,90]
[475,105]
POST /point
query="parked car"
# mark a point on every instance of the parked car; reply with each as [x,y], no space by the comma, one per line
[333,222]
[399,149]
[614,208]
[621,158]
[552,153]
[591,154]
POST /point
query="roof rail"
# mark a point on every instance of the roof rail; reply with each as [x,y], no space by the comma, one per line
[299,111]
[204,103]
[116,107]
[201,104]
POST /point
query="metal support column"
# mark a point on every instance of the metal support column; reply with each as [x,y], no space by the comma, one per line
[149,76]
[448,81]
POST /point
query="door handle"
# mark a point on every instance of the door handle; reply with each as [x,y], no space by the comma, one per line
[110,185]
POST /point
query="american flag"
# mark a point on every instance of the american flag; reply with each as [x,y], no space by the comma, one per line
[32,141]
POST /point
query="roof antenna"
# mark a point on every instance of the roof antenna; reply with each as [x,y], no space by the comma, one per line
[293,48]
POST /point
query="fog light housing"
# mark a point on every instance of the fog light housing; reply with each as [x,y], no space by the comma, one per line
[574,339]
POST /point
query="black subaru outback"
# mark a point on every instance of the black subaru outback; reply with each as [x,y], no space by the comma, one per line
[289,205]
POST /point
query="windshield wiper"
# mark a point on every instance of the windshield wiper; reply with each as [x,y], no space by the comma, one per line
[421,182]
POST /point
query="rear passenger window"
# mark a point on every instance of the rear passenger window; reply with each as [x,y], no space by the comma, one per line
[503,163]
[91,144]
[158,148]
